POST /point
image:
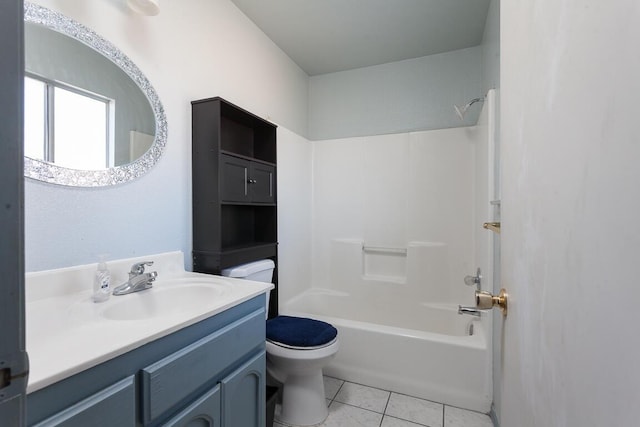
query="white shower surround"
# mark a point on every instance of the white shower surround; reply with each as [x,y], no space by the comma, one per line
[426,193]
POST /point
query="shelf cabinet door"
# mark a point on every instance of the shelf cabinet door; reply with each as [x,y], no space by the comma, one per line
[245,181]
[234,179]
[243,394]
[204,412]
[262,185]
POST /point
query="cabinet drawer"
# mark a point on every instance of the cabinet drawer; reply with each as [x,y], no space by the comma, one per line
[172,379]
[115,405]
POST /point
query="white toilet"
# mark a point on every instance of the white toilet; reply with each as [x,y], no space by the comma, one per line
[297,350]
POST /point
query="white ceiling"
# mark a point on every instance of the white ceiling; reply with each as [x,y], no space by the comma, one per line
[324,36]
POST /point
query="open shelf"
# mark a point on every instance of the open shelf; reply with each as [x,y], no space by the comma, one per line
[246,225]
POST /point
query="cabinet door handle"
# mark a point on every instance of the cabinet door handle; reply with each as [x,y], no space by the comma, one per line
[245,181]
[251,181]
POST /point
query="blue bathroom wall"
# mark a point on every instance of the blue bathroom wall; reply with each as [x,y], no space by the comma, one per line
[403,96]
[491,48]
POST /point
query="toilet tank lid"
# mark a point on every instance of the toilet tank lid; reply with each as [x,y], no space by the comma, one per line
[249,268]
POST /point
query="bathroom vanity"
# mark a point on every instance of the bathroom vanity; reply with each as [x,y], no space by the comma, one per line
[137,359]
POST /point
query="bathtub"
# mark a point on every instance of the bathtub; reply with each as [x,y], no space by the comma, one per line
[423,350]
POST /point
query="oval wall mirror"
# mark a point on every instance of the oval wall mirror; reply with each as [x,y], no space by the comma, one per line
[92,118]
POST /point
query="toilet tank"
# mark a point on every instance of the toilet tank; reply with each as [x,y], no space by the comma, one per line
[260,271]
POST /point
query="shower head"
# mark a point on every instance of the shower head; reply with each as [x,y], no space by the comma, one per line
[460,111]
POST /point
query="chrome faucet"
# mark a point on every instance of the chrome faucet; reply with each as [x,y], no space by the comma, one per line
[138,279]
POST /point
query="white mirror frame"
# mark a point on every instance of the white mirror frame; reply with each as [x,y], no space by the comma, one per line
[49,172]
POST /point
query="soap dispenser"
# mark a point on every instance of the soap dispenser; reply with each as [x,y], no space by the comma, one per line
[101,282]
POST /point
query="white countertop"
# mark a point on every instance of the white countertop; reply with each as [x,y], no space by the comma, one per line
[67,332]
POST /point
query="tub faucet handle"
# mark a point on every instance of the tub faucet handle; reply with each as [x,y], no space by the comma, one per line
[474,280]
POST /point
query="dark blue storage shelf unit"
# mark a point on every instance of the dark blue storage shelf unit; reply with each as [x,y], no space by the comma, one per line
[234,188]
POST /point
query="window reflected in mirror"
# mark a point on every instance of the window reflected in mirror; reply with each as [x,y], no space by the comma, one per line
[68,126]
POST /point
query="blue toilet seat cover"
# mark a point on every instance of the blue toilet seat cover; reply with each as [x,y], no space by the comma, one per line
[300,331]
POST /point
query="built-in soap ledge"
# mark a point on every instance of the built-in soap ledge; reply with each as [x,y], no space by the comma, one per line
[382,263]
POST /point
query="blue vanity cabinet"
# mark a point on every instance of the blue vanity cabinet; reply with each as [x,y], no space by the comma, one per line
[210,374]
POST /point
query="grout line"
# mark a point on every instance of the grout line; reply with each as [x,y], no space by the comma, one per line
[339,388]
[360,407]
[364,385]
[443,408]
[384,411]
[469,410]
[415,397]
[409,421]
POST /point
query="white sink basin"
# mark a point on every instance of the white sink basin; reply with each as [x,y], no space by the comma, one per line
[166,299]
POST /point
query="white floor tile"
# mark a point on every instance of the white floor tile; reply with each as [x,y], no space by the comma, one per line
[341,415]
[413,409]
[364,397]
[456,417]
[356,405]
[331,386]
[388,421]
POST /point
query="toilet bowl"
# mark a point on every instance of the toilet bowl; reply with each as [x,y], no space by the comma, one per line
[297,350]
[309,345]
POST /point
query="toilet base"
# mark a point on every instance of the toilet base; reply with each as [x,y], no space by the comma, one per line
[303,400]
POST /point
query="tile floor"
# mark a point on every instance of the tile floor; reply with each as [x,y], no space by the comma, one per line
[355,405]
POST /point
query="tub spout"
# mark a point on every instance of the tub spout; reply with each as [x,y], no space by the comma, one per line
[469,310]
